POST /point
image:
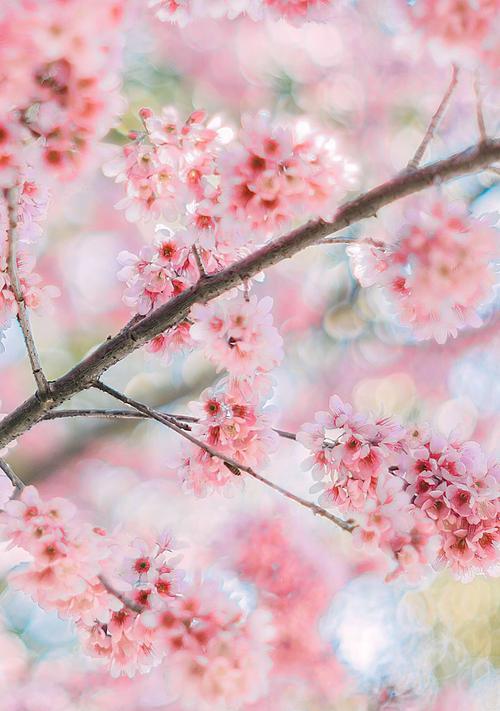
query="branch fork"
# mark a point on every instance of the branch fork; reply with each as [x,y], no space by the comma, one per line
[138,333]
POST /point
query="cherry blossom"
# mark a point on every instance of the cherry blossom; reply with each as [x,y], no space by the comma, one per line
[143,400]
[30,206]
[233,424]
[238,335]
[438,273]
[350,450]
[296,584]
[133,608]
[423,500]
[277,172]
[60,75]
[165,166]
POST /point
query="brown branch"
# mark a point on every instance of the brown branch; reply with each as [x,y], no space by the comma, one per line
[235,466]
[82,438]
[479,109]
[106,414]
[199,262]
[95,412]
[131,337]
[365,240]
[126,601]
[429,134]
[12,199]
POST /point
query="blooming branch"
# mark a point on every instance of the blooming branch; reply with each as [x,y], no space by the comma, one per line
[139,332]
[233,465]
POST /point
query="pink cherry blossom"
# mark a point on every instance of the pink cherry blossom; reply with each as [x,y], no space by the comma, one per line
[423,500]
[62,83]
[439,272]
[317,112]
[275,173]
[350,451]
[238,335]
[165,166]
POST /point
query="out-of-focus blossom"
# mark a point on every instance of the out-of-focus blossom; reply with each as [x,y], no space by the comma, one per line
[132,607]
[296,11]
[439,271]
[59,76]
[467,25]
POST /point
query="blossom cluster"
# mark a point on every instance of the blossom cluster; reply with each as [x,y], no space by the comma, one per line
[59,77]
[276,173]
[438,273]
[226,191]
[233,421]
[158,273]
[133,606]
[295,11]
[166,165]
[222,199]
[238,335]
[419,497]
[67,556]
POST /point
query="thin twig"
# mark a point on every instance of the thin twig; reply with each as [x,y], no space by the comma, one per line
[127,602]
[285,434]
[132,337]
[80,439]
[199,261]
[105,414]
[8,471]
[429,134]
[233,465]
[12,199]
[479,109]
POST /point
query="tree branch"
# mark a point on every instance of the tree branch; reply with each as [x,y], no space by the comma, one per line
[234,466]
[127,602]
[106,414]
[82,438]
[199,262]
[479,109]
[429,134]
[12,200]
[135,335]
[10,473]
